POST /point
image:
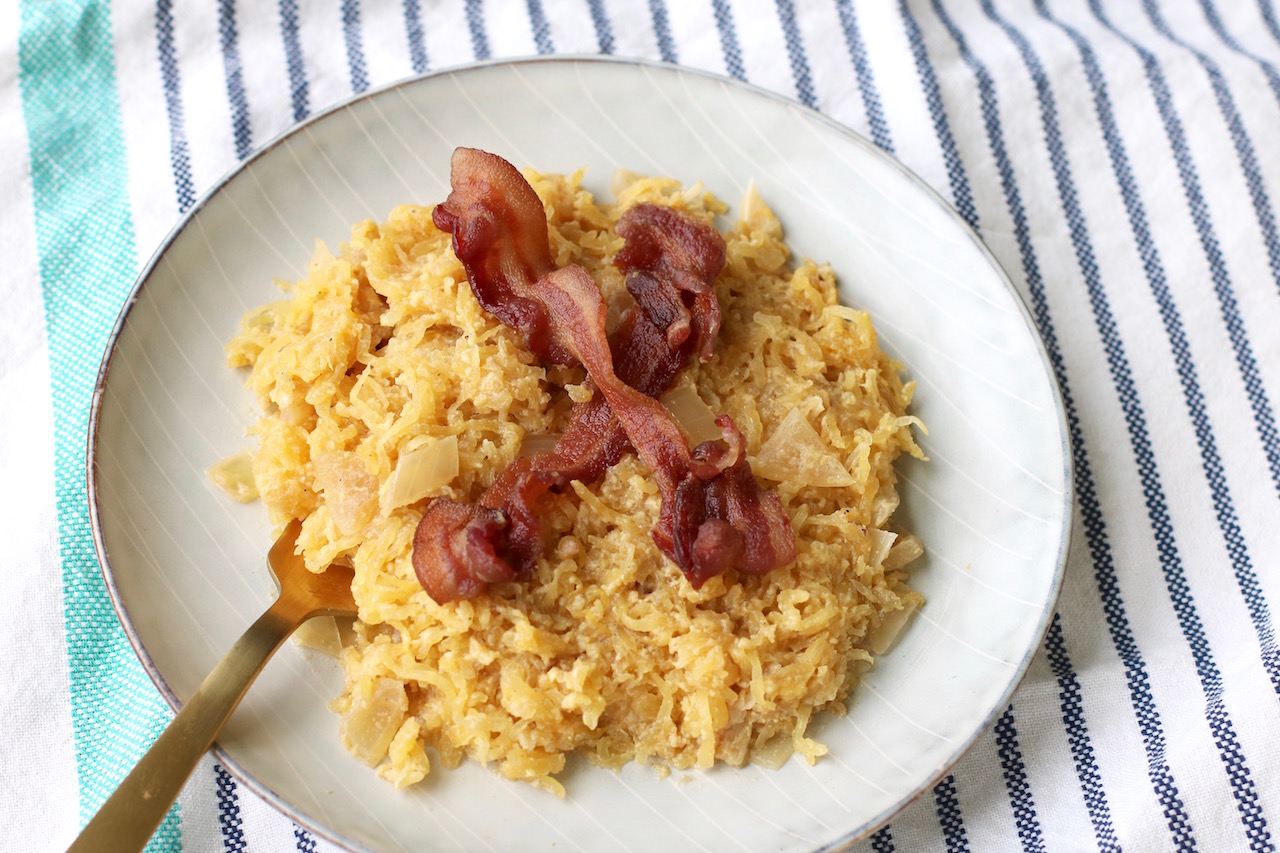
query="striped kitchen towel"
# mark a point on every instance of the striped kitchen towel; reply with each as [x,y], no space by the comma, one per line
[1119,158]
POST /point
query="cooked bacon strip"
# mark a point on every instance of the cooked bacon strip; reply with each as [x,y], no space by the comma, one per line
[668,254]
[455,550]
[573,301]
[589,446]
[592,442]
[499,233]
[714,515]
[734,495]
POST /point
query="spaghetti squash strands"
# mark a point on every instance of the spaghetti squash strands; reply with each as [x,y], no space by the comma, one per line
[381,352]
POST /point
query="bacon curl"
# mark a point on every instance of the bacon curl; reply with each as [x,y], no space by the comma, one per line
[669,257]
[499,233]
[714,515]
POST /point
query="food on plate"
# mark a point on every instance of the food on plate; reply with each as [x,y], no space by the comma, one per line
[614,483]
[714,515]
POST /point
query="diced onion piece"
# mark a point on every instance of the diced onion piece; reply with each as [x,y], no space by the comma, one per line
[885,505]
[409,762]
[350,491]
[373,719]
[423,471]
[693,415]
[905,550]
[796,454]
[757,215]
[321,635]
[622,178]
[234,475]
[774,752]
[881,639]
[881,542]
[539,443]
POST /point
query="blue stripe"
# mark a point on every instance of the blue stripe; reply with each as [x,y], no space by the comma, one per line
[1242,784]
[1211,462]
[235,82]
[882,841]
[1015,781]
[1263,420]
[179,157]
[728,39]
[1157,507]
[1086,492]
[947,805]
[960,193]
[604,32]
[866,77]
[541,30]
[417,41]
[1099,811]
[1239,138]
[662,31]
[1072,705]
[1215,22]
[293,58]
[795,52]
[1269,17]
[354,43]
[303,840]
[475,23]
[229,819]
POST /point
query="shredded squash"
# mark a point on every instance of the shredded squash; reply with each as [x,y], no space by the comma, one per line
[383,384]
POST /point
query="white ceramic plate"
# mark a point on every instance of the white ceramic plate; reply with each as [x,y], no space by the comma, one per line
[186,566]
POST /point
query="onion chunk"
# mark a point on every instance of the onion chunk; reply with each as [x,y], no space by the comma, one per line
[350,491]
[797,455]
[883,636]
[373,718]
[234,475]
[693,415]
[422,472]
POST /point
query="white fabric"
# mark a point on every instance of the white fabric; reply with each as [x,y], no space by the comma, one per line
[37,757]
[1175,413]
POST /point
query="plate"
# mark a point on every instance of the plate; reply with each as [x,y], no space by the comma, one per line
[186,566]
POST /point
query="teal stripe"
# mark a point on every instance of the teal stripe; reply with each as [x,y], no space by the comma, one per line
[84,237]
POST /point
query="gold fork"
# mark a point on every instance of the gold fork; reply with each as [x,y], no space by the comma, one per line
[128,818]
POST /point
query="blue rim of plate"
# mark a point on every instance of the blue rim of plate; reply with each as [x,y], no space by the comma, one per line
[280,802]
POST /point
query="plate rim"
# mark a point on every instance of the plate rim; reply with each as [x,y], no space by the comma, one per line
[277,800]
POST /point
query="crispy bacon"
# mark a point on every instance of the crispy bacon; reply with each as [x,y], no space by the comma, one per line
[455,550]
[591,443]
[499,233]
[669,255]
[733,494]
[714,515]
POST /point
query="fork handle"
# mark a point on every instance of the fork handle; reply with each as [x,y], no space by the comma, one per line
[128,818]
